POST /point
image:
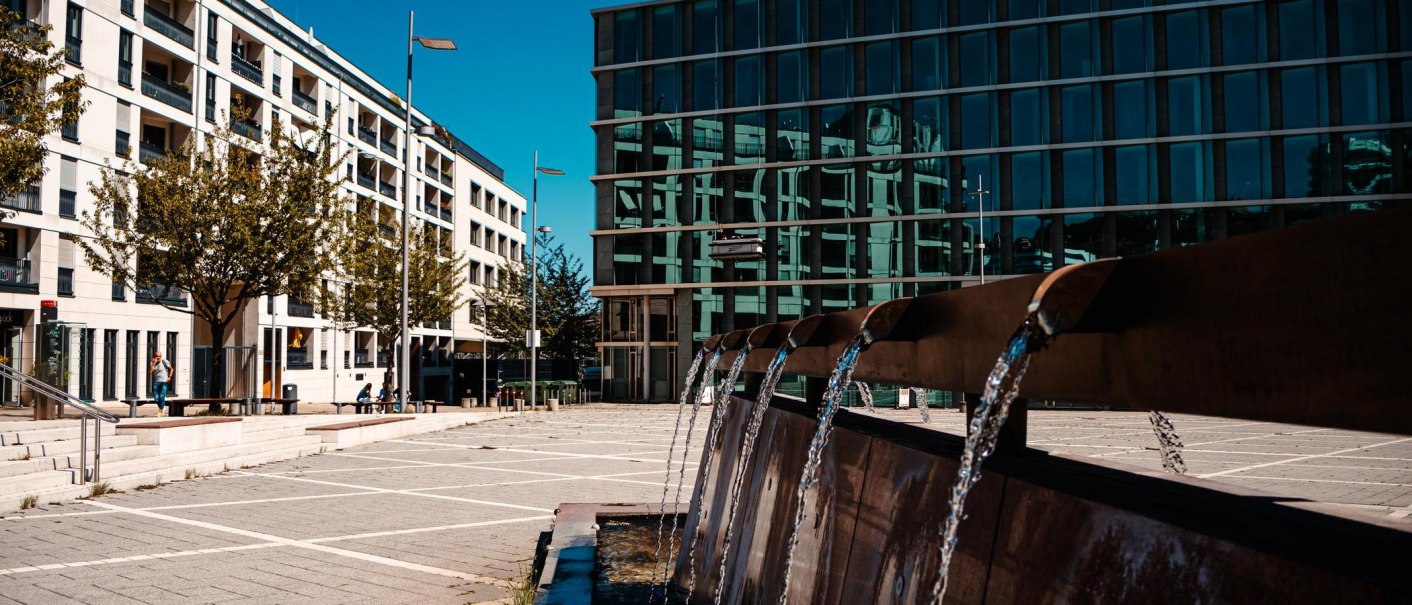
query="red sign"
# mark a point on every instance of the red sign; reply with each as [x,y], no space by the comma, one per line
[49,304]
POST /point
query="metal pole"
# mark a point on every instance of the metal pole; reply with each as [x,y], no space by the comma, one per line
[82,447]
[406,340]
[97,446]
[980,196]
[484,353]
[534,282]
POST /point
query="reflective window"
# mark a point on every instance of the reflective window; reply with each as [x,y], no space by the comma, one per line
[1031,244]
[1028,125]
[1407,87]
[1191,178]
[1193,226]
[977,67]
[1027,60]
[1029,180]
[1131,110]
[1083,237]
[706,85]
[1245,105]
[1137,233]
[791,21]
[839,134]
[666,89]
[749,24]
[926,14]
[1301,31]
[975,12]
[933,242]
[1367,164]
[666,32]
[705,27]
[748,79]
[1122,4]
[627,37]
[977,120]
[749,139]
[1306,166]
[707,198]
[1302,95]
[1242,220]
[881,193]
[1134,167]
[978,170]
[1075,7]
[836,195]
[929,186]
[835,20]
[881,77]
[929,125]
[1186,106]
[836,72]
[1242,34]
[1364,92]
[974,231]
[1083,181]
[1026,9]
[792,135]
[883,129]
[792,77]
[627,93]
[793,191]
[879,17]
[1186,40]
[1076,56]
[1247,163]
[1361,27]
[1131,53]
[1077,120]
[928,63]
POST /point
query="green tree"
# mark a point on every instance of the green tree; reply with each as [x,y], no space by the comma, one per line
[568,314]
[225,222]
[30,111]
[370,294]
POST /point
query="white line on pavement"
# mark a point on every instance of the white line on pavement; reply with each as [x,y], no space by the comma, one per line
[162,555]
[1303,458]
[418,530]
[411,493]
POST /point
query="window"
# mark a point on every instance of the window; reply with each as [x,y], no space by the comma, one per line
[1132,107]
[1186,40]
[881,77]
[1364,93]
[977,66]
[277,85]
[85,364]
[749,24]
[66,281]
[835,20]
[627,37]
[1242,36]
[706,85]
[110,365]
[1026,9]
[1302,98]
[68,186]
[627,93]
[975,12]
[1029,180]
[1301,30]
[928,64]
[127,7]
[1361,27]
[977,120]
[1131,53]
[125,58]
[836,73]
[1305,166]
[792,78]
[666,32]
[1133,168]
[152,338]
[1190,176]
[1244,102]
[879,17]
[1026,57]
[130,376]
[1076,50]
[1083,181]
[171,355]
[1083,237]
[1247,163]
[791,21]
[666,89]
[1186,113]
[749,82]
[73,35]
[212,37]
[926,14]
[1028,125]
[1077,120]
[211,97]
[69,129]
[930,127]
[705,27]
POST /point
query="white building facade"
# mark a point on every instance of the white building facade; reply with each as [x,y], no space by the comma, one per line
[159,72]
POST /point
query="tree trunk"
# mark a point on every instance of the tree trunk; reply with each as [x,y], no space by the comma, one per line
[217,365]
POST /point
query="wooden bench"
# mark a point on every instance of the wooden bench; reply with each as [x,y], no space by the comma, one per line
[288,406]
[386,406]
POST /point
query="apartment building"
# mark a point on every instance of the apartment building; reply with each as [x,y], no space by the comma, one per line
[160,72]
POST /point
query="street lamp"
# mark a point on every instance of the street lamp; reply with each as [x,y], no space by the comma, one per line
[406,344]
[980,199]
[484,307]
[534,279]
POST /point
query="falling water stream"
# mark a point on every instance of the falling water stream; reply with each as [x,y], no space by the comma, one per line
[865,393]
[838,385]
[1169,443]
[747,448]
[713,438]
[1001,387]
[919,398]
[686,394]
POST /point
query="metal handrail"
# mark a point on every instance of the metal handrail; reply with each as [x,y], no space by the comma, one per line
[90,411]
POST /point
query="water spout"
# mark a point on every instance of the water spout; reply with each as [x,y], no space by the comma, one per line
[747,448]
[1169,443]
[919,398]
[838,384]
[686,395]
[865,393]
[1001,387]
[713,437]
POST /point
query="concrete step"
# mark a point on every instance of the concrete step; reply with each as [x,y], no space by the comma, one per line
[11,426]
[58,433]
[35,482]
[182,460]
[54,448]
[59,462]
[273,434]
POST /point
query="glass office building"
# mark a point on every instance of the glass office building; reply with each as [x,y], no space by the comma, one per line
[875,144]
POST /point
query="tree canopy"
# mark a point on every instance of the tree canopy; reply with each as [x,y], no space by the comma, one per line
[29,109]
[568,314]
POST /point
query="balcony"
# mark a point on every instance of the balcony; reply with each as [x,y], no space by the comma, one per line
[300,309]
[445,214]
[27,200]
[246,128]
[432,172]
[247,69]
[148,151]
[298,359]
[388,147]
[163,294]
[170,28]
[367,135]
[384,356]
[167,93]
[387,189]
[305,102]
[361,359]
[366,180]
[15,277]
[446,179]
[387,230]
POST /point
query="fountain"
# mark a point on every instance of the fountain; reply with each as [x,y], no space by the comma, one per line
[687,391]
[713,440]
[919,399]
[865,393]
[1168,442]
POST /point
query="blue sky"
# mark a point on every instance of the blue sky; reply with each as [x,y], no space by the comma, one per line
[519,81]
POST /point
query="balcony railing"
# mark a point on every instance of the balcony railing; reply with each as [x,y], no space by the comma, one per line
[246,128]
[387,189]
[367,135]
[432,172]
[445,214]
[169,27]
[68,203]
[388,147]
[305,102]
[383,357]
[300,309]
[247,69]
[298,359]
[147,151]
[387,230]
[126,7]
[14,275]
[27,200]
[66,281]
[125,74]
[166,93]
[446,179]
[366,180]
[122,142]
[166,294]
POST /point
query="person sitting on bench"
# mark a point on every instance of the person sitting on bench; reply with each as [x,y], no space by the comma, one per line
[366,395]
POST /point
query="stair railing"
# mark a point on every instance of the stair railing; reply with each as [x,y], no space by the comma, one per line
[90,412]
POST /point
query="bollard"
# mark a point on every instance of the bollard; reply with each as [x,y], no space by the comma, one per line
[468,402]
[553,404]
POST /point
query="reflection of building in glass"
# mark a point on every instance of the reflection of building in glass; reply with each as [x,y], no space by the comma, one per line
[850,136]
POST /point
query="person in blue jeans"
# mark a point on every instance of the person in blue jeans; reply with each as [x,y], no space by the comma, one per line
[161,371]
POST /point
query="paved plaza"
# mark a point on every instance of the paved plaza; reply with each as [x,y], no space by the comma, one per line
[453,517]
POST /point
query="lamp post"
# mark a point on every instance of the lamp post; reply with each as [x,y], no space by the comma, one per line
[406,344]
[484,307]
[980,203]
[533,336]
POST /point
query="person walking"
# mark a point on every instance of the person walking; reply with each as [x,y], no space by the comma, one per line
[161,371]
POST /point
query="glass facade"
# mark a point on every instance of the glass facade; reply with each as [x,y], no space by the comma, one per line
[860,138]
